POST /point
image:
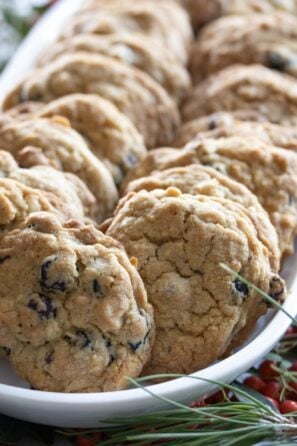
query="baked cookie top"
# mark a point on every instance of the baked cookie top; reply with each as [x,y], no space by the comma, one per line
[77,318]
[53,143]
[68,187]
[180,242]
[168,23]
[109,133]
[131,49]
[269,40]
[244,88]
[135,94]
[260,166]
[18,201]
[222,124]
[202,180]
[258,6]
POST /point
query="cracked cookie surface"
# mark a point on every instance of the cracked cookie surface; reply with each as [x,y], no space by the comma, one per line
[18,201]
[68,187]
[77,318]
[139,97]
[245,88]
[261,167]
[131,49]
[269,40]
[180,241]
[53,143]
[201,180]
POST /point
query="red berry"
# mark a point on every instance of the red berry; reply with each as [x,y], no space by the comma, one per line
[288,406]
[255,382]
[84,441]
[272,390]
[217,397]
[290,331]
[273,401]
[267,371]
[293,367]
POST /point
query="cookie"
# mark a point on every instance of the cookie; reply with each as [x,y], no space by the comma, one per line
[109,133]
[53,143]
[168,23]
[200,11]
[201,180]
[77,318]
[68,187]
[269,40]
[222,124]
[259,166]
[135,50]
[18,201]
[180,242]
[135,94]
[258,6]
[244,88]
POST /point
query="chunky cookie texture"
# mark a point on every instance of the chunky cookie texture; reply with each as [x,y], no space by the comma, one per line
[135,94]
[109,133]
[180,242]
[245,88]
[201,180]
[258,6]
[269,40]
[168,23]
[77,318]
[66,186]
[223,124]
[52,142]
[18,201]
[261,167]
[131,49]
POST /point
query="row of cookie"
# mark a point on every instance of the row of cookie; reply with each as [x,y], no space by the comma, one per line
[127,53]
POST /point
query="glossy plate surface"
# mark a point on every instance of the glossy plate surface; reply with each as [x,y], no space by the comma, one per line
[88,410]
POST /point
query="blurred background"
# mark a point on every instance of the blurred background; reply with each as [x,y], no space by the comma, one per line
[16,19]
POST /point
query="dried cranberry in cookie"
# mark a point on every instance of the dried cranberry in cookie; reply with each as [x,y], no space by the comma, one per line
[77,318]
[180,242]
[269,40]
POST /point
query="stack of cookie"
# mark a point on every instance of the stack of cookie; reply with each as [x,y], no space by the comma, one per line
[198,138]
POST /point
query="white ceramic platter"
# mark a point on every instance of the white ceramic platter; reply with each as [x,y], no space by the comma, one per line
[88,410]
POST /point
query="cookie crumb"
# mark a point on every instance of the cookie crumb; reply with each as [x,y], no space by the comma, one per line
[134,262]
[173,192]
[61,120]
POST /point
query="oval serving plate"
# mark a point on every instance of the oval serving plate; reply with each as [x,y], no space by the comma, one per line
[91,409]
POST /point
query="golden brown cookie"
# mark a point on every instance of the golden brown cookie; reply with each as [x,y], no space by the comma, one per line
[135,50]
[269,172]
[135,94]
[180,242]
[68,187]
[269,40]
[200,11]
[167,22]
[18,201]
[77,318]
[222,124]
[202,180]
[53,143]
[245,88]
[258,6]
